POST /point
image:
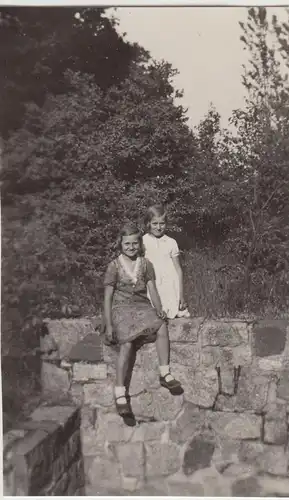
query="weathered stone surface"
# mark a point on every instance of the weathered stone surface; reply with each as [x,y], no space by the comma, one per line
[236,426]
[111,428]
[185,330]
[148,431]
[188,422]
[214,484]
[88,349]
[283,386]
[130,484]
[180,485]
[98,393]
[67,332]
[223,334]
[226,452]
[199,453]
[267,458]
[269,337]
[166,406]
[274,487]
[185,354]
[227,378]
[251,394]
[143,379]
[132,459]
[83,372]
[109,354]
[162,459]
[54,380]
[103,473]
[270,364]
[226,356]
[67,416]
[248,487]
[143,406]
[240,470]
[77,394]
[275,426]
[200,386]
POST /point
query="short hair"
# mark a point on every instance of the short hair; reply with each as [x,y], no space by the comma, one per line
[157,210]
[128,229]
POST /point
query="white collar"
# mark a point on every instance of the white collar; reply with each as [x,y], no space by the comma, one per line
[132,274]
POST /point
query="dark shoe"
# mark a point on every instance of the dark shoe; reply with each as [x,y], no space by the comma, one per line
[173,386]
[123,409]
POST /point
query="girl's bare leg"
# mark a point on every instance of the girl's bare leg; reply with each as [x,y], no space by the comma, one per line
[163,350]
[163,345]
[121,370]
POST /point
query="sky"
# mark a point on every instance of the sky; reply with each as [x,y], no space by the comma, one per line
[203,43]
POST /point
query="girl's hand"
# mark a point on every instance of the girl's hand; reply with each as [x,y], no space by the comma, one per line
[183,305]
[161,314]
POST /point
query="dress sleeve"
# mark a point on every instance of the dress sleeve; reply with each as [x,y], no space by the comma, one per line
[110,277]
[175,252]
[150,272]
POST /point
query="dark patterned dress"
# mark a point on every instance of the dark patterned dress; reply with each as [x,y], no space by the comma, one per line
[133,317]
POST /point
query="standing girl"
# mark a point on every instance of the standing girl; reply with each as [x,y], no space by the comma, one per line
[129,317]
[163,252]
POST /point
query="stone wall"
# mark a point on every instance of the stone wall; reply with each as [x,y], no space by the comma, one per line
[43,455]
[226,435]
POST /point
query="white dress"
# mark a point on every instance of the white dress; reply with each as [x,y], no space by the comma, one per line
[160,251]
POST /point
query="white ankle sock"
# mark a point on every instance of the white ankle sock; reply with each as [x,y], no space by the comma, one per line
[165,370]
[119,392]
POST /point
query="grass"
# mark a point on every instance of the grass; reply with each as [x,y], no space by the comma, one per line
[215,287]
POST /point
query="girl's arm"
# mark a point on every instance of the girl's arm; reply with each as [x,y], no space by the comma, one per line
[179,270]
[108,295]
[155,298]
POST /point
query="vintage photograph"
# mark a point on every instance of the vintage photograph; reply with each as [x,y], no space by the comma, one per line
[145,250]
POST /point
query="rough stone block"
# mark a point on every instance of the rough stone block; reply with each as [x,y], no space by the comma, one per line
[67,332]
[240,470]
[190,421]
[214,484]
[132,459]
[103,473]
[252,392]
[185,329]
[267,458]
[226,452]
[162,459]
[111,427]
[166,406]
[148,431]
[227,376]
[54,379]
[68,417]
[180,485]
[87,350]
[201,386]
[98,393]
[143,406]
[269,337]
[83,372]
[283,386]
[143,379]
[236,426]
[130,484]
[199,453]
[77,394]
[274,486]
[185,354]
[247,487]
[275,426]
[216,333]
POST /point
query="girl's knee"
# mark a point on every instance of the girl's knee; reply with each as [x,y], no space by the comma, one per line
[163,331]
[126,347]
